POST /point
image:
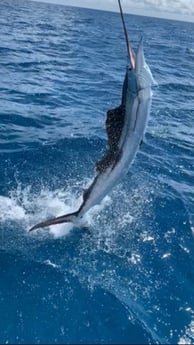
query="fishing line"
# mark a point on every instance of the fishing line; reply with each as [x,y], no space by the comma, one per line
[126,34]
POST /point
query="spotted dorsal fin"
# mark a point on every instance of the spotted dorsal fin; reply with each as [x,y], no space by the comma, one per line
[114,126]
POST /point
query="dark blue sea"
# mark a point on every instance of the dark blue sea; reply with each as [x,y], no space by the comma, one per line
[131,278]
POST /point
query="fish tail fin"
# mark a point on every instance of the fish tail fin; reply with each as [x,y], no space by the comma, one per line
[67,218]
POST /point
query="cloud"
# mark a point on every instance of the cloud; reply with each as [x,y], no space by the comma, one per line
[177,9]
[181,7]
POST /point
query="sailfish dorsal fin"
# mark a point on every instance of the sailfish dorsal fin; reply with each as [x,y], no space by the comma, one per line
[114,126]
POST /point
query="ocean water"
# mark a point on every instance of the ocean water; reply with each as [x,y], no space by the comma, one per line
[131,279]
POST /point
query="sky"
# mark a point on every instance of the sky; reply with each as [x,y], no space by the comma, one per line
[174,9]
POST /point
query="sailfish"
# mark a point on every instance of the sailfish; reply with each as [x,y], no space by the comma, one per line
[125,126]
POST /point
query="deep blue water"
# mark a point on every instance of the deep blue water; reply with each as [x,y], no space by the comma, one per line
[132,279]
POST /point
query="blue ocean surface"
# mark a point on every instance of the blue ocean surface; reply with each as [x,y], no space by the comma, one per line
[131,278]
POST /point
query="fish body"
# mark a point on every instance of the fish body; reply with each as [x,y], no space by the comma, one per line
[124,141]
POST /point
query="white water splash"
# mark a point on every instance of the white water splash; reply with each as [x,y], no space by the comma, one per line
[188,337]
[25,208]
[10,209]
